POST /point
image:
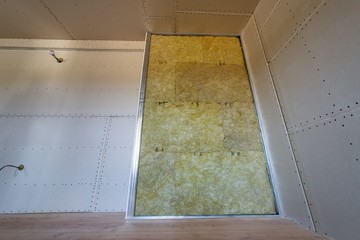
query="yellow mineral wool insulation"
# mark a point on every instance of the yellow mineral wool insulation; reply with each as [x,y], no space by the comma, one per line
[204,184]
[156,181]
[241,129]
[210,83]
[222,50]
[206,49]
[162,50]
[183,127]
[189,53]
[222,183]
[160,83]
[201,152]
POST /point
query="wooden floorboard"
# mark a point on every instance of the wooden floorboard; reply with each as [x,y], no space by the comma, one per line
[98,226]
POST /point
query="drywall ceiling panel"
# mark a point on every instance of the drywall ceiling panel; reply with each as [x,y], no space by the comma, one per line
[224,6]
[264,10]
[29,19]
[100,19]
[205,23]
[159,8]
[161,25]
[277,31]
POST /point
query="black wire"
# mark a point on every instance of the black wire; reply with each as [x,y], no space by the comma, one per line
[9,166]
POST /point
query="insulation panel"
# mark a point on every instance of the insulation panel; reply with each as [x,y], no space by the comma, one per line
[201,151]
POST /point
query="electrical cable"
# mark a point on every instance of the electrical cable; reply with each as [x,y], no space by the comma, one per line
[20,167]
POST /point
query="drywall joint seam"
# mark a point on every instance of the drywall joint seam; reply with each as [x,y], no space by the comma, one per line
[176,6]
[215,13]
[71,49]
[161,18]
[100,164]
[57,19]
[182,9]
[297,30]
[78,45]
[145,14]
[287,132]
[324,120]
[271,12]
[86,116]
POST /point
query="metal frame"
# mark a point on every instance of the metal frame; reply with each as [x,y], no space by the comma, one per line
[130,213]
[194,34]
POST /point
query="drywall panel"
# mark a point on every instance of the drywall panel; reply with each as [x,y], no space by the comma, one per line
[263,11]
[161,25]
[208,23]
[159,8]
[324,68]
[19,21]
[50,165]
[112,192]
[50,198]
[60,156]
[36,132]
[18,102]
[316,75]
[71,124]
[86,83]
[105,19]
[115,170]
[329,154]
[298,86]
[328,78]
[225,6]
[277,31]
[289,192]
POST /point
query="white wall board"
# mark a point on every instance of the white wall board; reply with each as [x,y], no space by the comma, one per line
[289,192]
[71,124]
[313,54]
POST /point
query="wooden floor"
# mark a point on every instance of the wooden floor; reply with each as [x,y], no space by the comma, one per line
[113,226]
